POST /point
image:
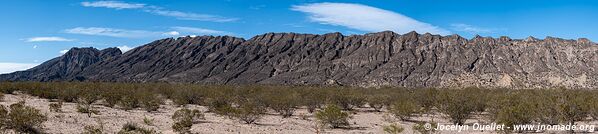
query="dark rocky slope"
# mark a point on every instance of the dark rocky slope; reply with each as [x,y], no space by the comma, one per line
[63,67]
[371,60]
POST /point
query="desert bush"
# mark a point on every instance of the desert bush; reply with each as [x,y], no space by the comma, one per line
[21,118]
[425,98]
[378,101]
[3,118]
[128,102]
[132,128]
[248,112]
[347,99]
[545,106]
[184,119]
[312,98]
[457,104]
[511,109]
[333,116]
[393,129]
[593,106]
[283,102]
[56,106]
[404,109]
[186,96]
[572,105]
[91,129]
[87,109]
[112,96]
[150,102]
[148,121]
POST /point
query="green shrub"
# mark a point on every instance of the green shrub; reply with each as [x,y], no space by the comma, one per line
[248,112]
[312,98]
[132,128]
[404,109]
[457,104]
[393,129]
[546,107]
[284,103]
[512,109]
[186,96]
[128,102]
[99,129]
[87,109]
[184,119]
[573,106]
[56,107]
[21,118]
[377,102]
[148,121]
[426,98]
[4,121]
[150,102]
[333,116]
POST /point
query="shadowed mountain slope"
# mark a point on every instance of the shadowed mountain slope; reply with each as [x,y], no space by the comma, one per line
[370,60]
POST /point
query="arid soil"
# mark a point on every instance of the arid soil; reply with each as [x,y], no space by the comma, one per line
[69,121]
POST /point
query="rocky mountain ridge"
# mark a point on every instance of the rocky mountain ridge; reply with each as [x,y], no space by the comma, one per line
[370,60]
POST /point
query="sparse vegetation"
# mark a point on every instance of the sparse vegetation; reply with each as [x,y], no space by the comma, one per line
[91,129]
[393,129]
[55,107]
[249,112]
[184,119]
[21,118]
[333,116]
[249,103]
[132,128]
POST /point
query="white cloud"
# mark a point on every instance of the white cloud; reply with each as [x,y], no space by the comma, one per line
[124,48]
[12,67]
[172,33]
[112,32]
[63,51]
[471,29]
[113,4]
[201,31]
[46,39]
[158,11]
[365,18]
[190,16]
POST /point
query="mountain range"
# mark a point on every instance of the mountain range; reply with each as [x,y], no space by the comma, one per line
[369,60]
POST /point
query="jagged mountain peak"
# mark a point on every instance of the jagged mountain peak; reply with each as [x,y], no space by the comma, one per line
[370,60]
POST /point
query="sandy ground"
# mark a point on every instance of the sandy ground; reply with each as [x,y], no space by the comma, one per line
[70,122]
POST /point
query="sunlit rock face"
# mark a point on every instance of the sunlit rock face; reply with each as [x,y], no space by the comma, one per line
[370,60]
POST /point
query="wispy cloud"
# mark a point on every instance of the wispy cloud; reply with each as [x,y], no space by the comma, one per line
[63,51]
[113,32]
[365,18]
[113,4]
[158,11]
[12,67]
[47,39]
[472,29]
[200,31]
[124,48]
[190,16]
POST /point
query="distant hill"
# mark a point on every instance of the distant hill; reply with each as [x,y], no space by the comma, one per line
[370,60]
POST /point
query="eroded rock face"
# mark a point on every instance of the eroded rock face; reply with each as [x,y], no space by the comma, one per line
[61,68]
[370,60]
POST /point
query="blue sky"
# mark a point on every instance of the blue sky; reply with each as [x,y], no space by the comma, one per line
[34,31]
